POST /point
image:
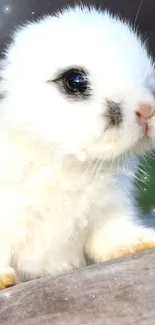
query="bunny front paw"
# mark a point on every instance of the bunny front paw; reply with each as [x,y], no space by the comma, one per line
[8,277]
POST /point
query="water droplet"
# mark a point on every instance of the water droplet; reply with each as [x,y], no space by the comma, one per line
[93,296]
[7,9]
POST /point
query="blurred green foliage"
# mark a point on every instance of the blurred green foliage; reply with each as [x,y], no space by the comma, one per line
[146,186]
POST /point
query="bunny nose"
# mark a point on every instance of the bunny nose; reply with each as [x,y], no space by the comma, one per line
[144,112]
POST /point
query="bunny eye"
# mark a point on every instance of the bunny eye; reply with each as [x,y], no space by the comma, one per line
[75,82]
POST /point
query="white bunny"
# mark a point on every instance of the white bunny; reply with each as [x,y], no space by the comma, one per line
[77,112]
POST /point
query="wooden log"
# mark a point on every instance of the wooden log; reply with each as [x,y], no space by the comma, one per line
[121,292]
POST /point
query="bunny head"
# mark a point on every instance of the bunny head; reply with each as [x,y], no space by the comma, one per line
[82,80]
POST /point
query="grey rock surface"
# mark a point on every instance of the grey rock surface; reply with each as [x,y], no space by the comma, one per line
[121,292]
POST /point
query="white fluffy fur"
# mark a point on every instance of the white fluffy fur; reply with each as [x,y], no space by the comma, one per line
[66,181]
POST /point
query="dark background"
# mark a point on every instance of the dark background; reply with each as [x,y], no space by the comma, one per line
[140,12]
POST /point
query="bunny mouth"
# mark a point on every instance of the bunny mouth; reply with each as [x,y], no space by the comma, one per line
[146,125]
[147,130]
